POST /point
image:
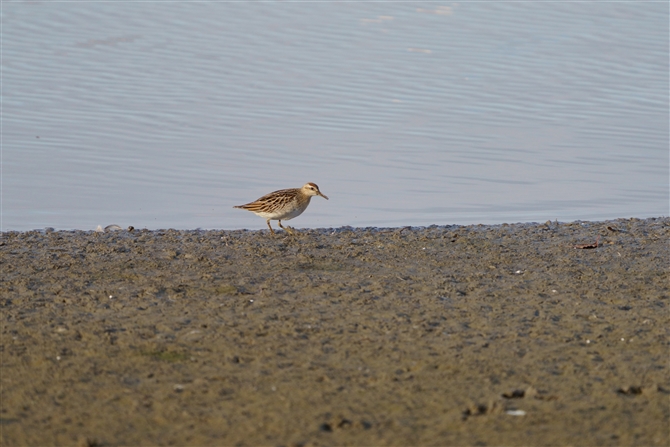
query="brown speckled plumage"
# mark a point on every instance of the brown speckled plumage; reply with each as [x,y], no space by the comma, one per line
[284,204]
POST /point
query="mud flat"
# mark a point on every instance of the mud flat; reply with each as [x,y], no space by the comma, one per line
[443,335]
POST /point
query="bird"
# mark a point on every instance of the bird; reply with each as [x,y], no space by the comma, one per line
[284,204]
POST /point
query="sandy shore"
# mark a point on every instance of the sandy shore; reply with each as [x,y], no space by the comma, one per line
[445,335]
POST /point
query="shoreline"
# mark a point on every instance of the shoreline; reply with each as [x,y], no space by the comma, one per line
[549,224]
[112,228]
[477,334]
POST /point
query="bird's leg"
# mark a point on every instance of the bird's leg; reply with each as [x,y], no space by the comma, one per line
[289,230]
[270,227]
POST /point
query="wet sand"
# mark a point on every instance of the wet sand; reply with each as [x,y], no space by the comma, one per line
[445,335]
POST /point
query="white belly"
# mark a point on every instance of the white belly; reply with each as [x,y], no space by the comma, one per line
[284,214]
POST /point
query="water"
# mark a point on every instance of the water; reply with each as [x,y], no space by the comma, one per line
[165,115]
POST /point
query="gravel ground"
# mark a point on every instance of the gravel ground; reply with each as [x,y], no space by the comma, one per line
[441,335]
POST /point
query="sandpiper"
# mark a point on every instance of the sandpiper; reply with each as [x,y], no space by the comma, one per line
[284,204]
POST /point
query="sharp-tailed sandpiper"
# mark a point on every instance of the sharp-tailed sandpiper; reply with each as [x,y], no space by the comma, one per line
[284,204]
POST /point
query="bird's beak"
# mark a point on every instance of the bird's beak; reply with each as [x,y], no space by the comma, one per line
[323,195]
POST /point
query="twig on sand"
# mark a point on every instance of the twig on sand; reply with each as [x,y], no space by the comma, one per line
[594,245]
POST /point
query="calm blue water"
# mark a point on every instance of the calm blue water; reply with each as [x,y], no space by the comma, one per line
[165,115]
